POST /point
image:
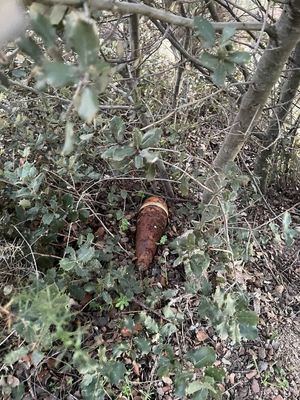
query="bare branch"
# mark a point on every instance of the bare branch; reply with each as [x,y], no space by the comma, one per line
[124,7]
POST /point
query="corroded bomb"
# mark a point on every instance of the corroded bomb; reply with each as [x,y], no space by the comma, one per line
[151,224]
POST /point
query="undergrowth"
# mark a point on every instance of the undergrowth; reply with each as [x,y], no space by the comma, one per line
[75,308]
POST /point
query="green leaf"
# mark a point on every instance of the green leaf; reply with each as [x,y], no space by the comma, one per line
[82,36]
[15,355]
[86,137]
[219,74]
[248,332]
[92,387]
[229,67]
[114,371]
[218,374]
[117,128]
[206,31]
[58,74]
[202,357]
[57,13]
[37,357]
[247,317]
[69,139]
[138,162]
[209,61]
[143,345]
[18,392]
[151,138]
[85,254]
[42,26]
[149,156]
[24,203]
[150,324]
[219,297]
[88,105]
[288,232]
[150,172]
[200,395]
[29,47]
[199,263]
[286,220]
[194,387]
[47,218]
[118,153]
[168,329]
[229,305]
[239,57]
[66,264]
[137,138]
[227,34]
[181,382]
[163,366]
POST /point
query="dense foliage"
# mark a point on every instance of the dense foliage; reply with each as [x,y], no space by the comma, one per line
[85,139]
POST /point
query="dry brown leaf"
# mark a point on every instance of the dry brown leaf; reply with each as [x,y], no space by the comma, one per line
[201,335]
[136,368]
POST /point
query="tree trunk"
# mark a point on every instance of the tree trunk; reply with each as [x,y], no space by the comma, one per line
[269,68]
[286,98]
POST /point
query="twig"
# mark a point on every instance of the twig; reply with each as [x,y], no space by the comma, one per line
[151,310]
[31,251]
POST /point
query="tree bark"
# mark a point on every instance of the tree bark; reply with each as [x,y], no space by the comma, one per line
[269,68]
[286,98]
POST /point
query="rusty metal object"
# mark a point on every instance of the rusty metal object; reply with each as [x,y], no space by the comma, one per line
[151,224]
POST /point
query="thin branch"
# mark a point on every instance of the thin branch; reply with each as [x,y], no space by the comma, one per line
[124,7]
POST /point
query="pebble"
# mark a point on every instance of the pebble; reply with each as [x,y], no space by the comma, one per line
[255,386]
[262,353]
[262,366]
[167,380]
[227,354]
[275,345]
[279,290]
[225,361]
[241,351]
[251,374]
[231,378]
[279,397]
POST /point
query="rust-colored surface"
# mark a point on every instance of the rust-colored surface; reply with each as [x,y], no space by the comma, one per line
[151,224]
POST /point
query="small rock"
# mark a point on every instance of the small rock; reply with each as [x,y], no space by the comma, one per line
[167,380]
[255,386]
[227,354]
[279,397]
[166,389]
[221,387]
[262,353]
[275,345]
[231,378]
[251,374]
[279,290]
[262,366]
[241,351]
[201,336]
[225,361]
[219,348]
[271,352]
